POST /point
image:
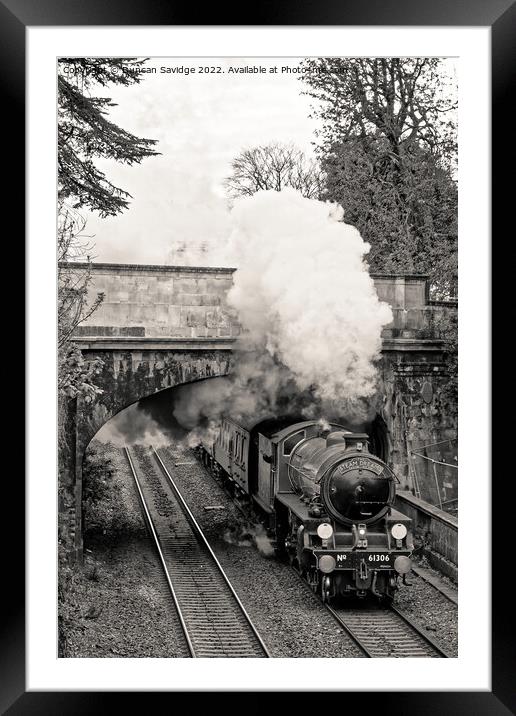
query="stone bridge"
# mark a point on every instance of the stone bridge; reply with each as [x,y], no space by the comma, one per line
[161,326]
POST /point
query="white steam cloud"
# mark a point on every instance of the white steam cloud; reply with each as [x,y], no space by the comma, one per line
[310,315]
[303,293]
[249,534]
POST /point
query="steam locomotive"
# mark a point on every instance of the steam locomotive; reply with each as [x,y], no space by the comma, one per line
[326,500]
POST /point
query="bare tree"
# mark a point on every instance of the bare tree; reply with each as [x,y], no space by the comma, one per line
[274,167]
[73,306]
[74,250]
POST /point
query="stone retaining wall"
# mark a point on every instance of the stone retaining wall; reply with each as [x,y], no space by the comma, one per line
[435,529]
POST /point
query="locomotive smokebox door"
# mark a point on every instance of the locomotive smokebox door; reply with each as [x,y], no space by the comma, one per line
[265,470]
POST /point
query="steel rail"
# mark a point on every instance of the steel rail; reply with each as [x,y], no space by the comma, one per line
[347,629]
[442,653]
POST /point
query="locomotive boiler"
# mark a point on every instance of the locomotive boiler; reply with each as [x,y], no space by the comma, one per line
[326,499]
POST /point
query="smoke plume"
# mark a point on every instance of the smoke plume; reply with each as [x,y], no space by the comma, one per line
[303,293]
[249,534]
[142,423]
[310,315]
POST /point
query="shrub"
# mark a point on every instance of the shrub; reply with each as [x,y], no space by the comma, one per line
[107,505]
[100,492]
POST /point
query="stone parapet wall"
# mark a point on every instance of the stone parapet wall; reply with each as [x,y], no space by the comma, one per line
[402,290]
[191,302]
[421,322]
[435,531]
[161,301]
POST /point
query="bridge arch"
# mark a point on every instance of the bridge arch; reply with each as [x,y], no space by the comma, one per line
[125,378]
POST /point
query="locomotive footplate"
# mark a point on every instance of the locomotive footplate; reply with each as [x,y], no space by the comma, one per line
[351,559]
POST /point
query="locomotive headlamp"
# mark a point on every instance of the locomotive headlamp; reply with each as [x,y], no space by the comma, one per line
[324,530]
[361,537]
[398,531]
[327,563]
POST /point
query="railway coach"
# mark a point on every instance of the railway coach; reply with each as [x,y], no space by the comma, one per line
[325,498]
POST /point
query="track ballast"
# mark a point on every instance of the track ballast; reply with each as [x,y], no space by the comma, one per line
[214,621]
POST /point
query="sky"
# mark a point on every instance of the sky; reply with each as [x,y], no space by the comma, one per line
[201,122]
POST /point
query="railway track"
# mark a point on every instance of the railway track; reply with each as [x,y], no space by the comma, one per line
[385,632]
[213,620]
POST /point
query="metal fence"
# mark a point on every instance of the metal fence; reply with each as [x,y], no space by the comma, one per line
[434,470]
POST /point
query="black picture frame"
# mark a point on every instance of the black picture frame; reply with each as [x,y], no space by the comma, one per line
[15,17]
